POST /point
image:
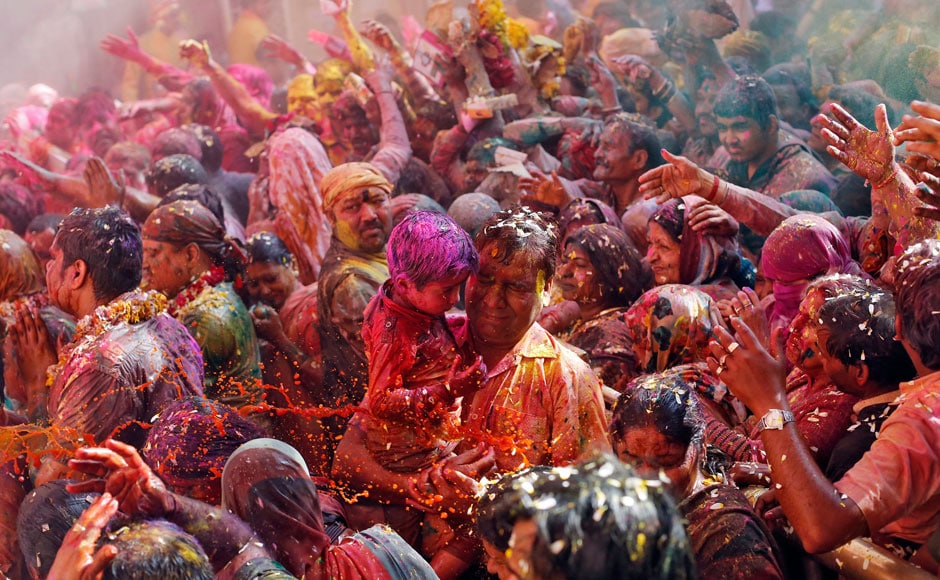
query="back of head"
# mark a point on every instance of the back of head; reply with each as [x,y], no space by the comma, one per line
[470,210]
[520,230]
[598,519]
[267,248]
[109,243]
[805,246]
[176,141]
[199,193]
[747,96]
[157,550]
[428,247]
[211,145]
[917,298]
[44,518]
[168,173]
[19,205]
[20,272]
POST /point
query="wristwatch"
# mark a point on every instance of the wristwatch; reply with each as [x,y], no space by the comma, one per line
[775,419]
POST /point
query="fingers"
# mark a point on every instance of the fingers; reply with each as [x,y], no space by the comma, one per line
[881,119]
[778,345]
[90,486]
[102,559]
[925,109]
[126,452]
[744,335]
[846,118]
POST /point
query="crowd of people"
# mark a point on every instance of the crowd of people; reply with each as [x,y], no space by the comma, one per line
[534,289]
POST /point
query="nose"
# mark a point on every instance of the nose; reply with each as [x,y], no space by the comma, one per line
[495,296]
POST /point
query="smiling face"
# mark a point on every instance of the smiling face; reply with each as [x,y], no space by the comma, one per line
[663,255]
[269,283]
[576,277]
[614,159]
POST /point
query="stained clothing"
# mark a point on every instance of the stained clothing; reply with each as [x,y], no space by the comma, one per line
[540,405]
[791,168]
[897,483]
[608,343]
[128,373]
[414,421]
[728,539]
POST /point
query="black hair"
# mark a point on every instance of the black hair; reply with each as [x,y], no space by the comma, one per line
[267,248]
[520,230]
[168,173]
[747,96]
[109,243]
[917,300]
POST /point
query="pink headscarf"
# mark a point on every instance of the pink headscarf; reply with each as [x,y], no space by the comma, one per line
[297,162]
[802,248]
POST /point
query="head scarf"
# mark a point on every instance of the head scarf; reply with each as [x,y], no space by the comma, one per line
[803,247]
[703,259]
[44,518]
[297,164]
[189,222]
[587,211]
[619,270]
[348,177]
[672,323]
[191,440]
[286,514]
[20,273]
[255,461]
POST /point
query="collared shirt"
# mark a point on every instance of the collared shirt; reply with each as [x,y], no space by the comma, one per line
[540,405]
[897,483]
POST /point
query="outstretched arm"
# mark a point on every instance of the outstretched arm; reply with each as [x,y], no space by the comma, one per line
[254,117]
[822,518]
[394,148]
[171,77]
[276,47]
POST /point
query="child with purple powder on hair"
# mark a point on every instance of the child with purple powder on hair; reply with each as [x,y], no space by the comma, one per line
[417,370]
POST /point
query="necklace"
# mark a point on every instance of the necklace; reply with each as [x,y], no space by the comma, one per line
[137,307]
[208,279]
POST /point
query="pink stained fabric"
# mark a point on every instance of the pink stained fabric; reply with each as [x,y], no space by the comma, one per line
[803,247]
[297,162]
[896,483]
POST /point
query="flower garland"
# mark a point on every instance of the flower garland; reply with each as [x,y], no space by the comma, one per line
[136,308]
[208,279]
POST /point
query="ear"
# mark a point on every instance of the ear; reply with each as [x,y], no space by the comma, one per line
[78,275]
[773,126]
[639,158]
[860,373]
[192,252]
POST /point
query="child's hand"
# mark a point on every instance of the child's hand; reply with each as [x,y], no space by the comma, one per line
[468,380]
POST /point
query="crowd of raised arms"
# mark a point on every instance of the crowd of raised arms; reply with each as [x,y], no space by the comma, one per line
[547,289]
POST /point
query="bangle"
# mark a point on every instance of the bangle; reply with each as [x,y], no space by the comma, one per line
[886,180]
[711,194]
[665,93]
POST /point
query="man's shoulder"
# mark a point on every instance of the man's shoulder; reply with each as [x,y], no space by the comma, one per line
[539,343]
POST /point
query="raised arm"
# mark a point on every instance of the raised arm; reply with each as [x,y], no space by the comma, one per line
[636,68]
[255,118]
[417,84]
[276,47]
[394,148]
[171,77]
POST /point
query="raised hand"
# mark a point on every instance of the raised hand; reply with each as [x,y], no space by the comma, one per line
[542,189]
[276,47]
[753,374]
[128,49]
[921,133]
[711,220]
[103,189]
[379,35]
[34,350]
[197,53]
[870,154]
[121,472]
[928,191]
[677,178]
[77,558]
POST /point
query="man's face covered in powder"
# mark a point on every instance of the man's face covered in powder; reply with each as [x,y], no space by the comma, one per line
[362,219]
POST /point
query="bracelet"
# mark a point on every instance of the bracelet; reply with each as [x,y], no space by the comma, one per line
[885,181]
[665,93]
[711,194]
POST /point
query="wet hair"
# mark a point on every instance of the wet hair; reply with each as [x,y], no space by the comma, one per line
[157,550]
[267,248]
[45,516]
[747,96]
[917,300]
[109,243]
[665,401]
[501,505]
[520,230]
[45,221]
[616,262]
[429,246]
[861,326]
[640,136]
[19,205]
[211,145]
[596,519]
[200,193]
[168,173]
[176,141]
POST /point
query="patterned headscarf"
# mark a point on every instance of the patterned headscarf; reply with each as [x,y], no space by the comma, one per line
[671,325]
